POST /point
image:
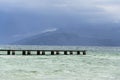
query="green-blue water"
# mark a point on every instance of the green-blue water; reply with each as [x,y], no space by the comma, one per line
[100,63]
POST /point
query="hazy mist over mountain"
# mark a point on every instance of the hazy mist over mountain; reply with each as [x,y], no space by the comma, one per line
[60,22]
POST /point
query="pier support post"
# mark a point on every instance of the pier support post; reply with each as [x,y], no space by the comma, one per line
[28,52]
[13,52]
[8,52]
[78,52]
[57,53]
[38,52]
[84,52]
[23,52]
[52,52]
[71,52]
[43,52]
[65,52]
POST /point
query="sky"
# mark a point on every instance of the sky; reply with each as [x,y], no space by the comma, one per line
[93,7]
[43,15]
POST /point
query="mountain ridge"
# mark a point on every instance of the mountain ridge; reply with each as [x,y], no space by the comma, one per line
[69,37]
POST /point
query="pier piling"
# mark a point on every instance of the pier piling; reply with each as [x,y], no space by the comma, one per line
[71,53]
[84,52]
[8,52]
[13,52]
[65,52]
[28,52]
[43,52]
[23,52]
[78,52]
[38,52]
[57,53]
[52,52]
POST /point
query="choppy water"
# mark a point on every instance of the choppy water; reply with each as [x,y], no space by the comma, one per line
[100,63]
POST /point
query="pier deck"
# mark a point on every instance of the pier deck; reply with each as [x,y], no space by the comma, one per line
[43,52]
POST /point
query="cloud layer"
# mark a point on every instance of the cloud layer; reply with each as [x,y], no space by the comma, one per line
[104,8]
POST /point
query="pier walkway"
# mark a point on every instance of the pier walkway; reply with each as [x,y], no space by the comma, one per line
[42,52]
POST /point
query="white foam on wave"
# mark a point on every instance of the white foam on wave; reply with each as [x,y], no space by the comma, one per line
[96,65]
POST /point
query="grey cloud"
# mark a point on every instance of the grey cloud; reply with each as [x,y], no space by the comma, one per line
[92,8]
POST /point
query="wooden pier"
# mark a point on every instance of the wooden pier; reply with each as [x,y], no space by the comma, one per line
[43,52]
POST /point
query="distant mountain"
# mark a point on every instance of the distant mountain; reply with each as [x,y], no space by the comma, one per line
[72,29]
[90,36]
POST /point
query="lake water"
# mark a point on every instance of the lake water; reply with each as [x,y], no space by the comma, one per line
[100,63]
